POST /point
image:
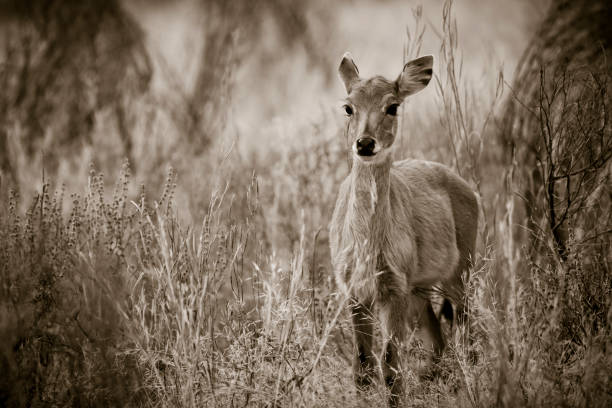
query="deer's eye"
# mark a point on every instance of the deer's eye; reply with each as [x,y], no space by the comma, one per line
[348,110]
[392,109]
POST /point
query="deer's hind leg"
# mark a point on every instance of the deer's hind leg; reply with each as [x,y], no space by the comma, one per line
[425,320]
[365,362]
[430,324]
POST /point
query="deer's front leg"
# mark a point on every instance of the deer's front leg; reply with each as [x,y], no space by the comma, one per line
[394,325]
[364,363]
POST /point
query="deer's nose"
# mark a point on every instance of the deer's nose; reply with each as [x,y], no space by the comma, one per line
[365,146]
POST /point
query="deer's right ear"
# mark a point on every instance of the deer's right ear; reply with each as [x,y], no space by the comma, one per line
[349,74]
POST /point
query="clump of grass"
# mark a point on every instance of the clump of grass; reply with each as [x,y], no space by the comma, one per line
[63,296]
[116,303]
[214,328]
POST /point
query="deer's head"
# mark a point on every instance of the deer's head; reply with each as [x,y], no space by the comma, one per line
[372,105]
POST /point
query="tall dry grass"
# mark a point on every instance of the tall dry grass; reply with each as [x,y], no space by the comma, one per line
[120,298]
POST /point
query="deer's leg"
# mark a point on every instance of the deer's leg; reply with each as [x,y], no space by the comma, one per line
[447,312]
[393,317]
[430,323]
[363,366]
[430,332]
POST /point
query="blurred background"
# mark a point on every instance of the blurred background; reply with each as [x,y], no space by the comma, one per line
[183,83]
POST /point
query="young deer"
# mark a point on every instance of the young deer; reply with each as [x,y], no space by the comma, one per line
[397,228]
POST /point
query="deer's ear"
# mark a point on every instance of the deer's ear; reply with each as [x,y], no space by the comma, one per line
[349,74]
[415,76]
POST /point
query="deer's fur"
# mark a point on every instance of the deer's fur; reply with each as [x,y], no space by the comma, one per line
[397,227]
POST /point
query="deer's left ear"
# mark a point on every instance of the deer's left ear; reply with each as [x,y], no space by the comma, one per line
[415,76]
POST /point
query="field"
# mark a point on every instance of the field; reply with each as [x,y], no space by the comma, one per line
[168,171]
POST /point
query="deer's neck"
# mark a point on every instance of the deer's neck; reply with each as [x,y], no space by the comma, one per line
[369,200]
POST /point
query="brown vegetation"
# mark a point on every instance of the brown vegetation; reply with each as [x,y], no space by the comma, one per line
[212,286]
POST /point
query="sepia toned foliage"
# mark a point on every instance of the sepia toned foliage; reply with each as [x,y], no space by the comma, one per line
[557,124]
[213,285]
[63,298]
[558,131]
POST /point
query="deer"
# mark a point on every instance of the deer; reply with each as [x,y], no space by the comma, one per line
[398,229]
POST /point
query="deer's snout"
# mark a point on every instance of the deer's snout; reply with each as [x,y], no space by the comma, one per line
[365,146]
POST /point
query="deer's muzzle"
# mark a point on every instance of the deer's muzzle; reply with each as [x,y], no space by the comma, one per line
[365,146]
